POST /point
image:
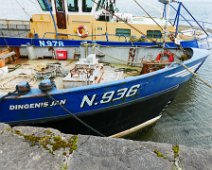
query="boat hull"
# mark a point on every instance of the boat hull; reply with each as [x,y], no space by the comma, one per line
[112,121]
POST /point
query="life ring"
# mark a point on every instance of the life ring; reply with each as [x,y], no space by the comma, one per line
[82,31]
[165,53]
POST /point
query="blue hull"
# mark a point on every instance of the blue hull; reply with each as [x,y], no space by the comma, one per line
[116,119]
[150,91]
[18,42]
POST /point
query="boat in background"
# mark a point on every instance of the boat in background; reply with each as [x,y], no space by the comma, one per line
[65,23]
[112,94]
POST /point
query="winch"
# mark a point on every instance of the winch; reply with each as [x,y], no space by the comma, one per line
[46,85]
[23,88]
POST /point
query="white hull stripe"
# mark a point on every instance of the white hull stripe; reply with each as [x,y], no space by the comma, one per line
[184,72]
[136,128]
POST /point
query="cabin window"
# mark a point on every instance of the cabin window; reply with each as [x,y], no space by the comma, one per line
[100,4]
[59,5]
[123,32]
[154,34]
[87,5]
[72,5]
[44,6]
[105,4]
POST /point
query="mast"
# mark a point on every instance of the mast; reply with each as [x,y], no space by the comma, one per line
[166,13]
[52,16]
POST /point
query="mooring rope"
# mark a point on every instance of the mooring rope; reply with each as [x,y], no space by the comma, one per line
[195,74]
[75,117]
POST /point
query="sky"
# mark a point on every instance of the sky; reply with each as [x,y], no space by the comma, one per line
[23,9]
[18,9]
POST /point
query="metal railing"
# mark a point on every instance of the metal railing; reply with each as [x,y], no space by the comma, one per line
[90,35]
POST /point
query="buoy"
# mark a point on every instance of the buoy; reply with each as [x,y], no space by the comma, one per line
[166,54]
[82,31]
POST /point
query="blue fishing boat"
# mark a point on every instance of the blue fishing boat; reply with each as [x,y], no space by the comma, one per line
[112,94]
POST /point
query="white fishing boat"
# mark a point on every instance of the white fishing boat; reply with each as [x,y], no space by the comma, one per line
[68,23]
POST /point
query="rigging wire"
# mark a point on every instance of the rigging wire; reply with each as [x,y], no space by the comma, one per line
[133,27]
[33,2]
[23,8]
[152,6]
[130,25]
[149,15]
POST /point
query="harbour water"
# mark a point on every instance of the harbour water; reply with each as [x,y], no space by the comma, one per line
[188,120]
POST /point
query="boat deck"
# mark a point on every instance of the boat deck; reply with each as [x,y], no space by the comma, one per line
[87,70]
[24,69]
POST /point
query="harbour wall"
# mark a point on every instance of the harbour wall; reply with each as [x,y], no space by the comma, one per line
[39,148]
[14,28]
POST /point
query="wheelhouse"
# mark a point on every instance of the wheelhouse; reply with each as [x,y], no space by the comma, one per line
[90,20]
[75,6]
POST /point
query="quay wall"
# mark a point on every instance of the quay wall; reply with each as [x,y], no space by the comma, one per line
[39,148]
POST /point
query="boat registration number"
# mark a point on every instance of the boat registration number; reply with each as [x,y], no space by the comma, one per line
[51,43]
[110,96]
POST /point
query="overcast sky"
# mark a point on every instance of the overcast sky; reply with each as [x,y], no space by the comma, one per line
[18,9]
[23,9]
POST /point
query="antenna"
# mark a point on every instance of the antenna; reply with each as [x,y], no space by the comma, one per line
[167,1]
